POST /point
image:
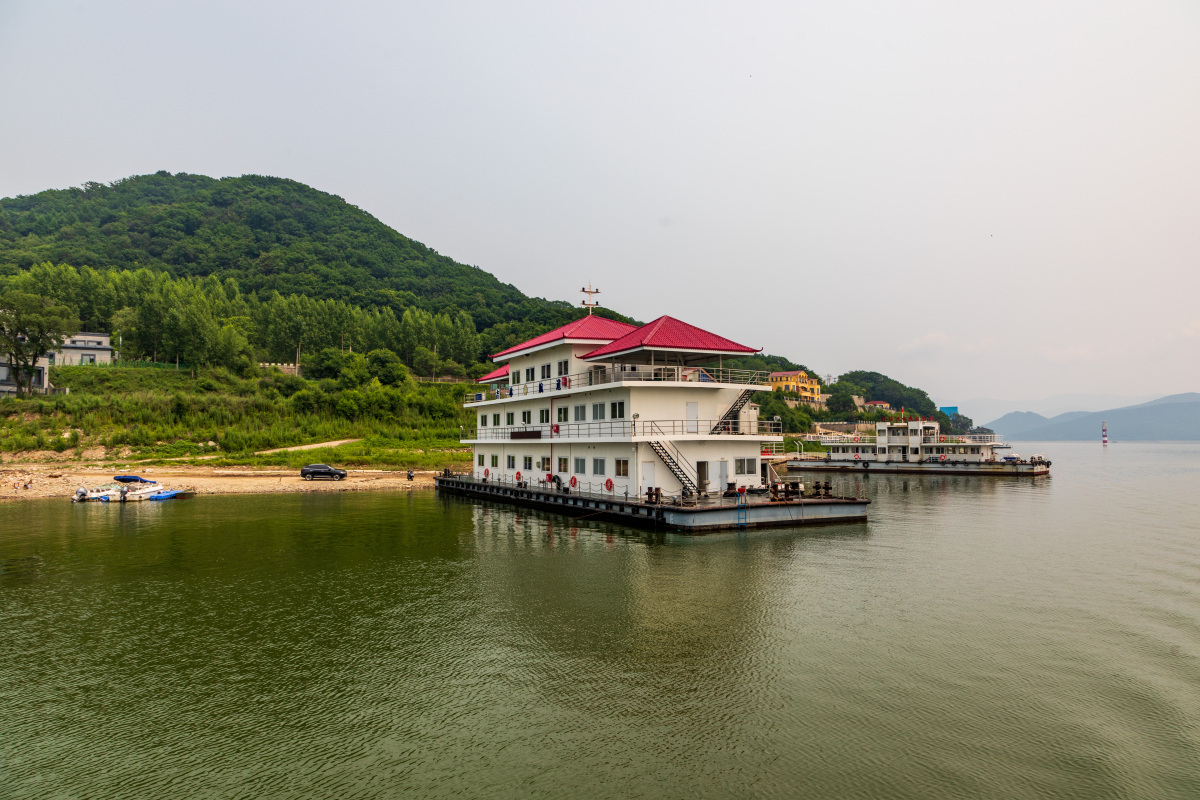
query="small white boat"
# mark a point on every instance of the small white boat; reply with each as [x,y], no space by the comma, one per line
[124,489]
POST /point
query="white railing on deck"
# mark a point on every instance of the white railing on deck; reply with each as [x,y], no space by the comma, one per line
[665,428]
[968,438]
[600,376]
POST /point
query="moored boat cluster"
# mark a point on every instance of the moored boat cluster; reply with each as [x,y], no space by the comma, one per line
[128,489]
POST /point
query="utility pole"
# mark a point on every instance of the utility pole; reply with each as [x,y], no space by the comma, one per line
[589,291]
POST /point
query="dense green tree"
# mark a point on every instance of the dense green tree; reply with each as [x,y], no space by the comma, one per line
[30,327]
[386,367]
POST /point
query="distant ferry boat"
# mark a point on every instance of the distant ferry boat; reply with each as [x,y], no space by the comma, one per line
[918,445]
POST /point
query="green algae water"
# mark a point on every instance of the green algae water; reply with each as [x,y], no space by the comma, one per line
[977,637]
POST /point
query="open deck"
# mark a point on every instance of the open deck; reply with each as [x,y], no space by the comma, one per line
[697,515]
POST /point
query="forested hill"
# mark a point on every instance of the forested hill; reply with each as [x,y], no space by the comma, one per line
[268,233]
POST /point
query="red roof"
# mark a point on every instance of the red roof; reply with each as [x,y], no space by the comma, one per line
[668,333]
[494,375]
[590,328]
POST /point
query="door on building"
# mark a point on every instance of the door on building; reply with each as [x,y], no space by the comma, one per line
[722,475]
[647,475]
[702,476]
[693,414]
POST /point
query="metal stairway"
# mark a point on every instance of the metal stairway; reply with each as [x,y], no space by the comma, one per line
[676,463]
[728,420]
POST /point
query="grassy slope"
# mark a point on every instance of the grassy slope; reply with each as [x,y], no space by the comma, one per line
[157,414]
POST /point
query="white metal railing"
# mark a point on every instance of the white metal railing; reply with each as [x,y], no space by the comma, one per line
[665,428]
[845,438]
[599,376]
[967,438]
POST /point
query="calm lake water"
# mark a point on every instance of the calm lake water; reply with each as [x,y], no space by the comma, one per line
[978,637]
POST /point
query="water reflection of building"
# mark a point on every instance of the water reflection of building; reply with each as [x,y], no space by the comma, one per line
[604,590]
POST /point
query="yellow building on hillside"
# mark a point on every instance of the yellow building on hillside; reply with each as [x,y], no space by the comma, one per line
[796,381]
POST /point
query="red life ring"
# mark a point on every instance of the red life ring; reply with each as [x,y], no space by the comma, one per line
[941,458]
[573,481]
[856,438]
[608,484]
[485,473]
[765,453]
[942,439]
[856,456]
[518,475]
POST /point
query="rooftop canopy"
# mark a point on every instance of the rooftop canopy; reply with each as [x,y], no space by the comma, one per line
[585,330]
[495,375]
[668,341]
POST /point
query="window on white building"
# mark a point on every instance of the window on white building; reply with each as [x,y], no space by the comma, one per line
[495,419]
[529,374]
[597,466]
[597,410]
[543,415]
[564,414]
[581,413]
[545,371]
[563,366]
[508,418]
[581,466]
[528,460]
[495,461]
[621,467]
[483,420]
[512,462]
[745,466]
[481,459]
[526,417]
[617,409]
[563,463]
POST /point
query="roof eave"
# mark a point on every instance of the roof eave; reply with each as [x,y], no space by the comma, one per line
[507,356]
[644,349]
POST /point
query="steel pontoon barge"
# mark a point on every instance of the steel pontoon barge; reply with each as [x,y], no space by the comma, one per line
[948,467]
[701,515]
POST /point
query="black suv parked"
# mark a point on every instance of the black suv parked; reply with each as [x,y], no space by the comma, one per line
[321,471]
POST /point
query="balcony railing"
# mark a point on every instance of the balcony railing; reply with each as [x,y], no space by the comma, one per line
[599,376]
[650,429]
[845,438]
[865,438]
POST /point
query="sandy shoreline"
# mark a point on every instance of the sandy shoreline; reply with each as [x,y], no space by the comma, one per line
[33,481]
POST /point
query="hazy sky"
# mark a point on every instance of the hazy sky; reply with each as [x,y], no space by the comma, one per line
[997,199]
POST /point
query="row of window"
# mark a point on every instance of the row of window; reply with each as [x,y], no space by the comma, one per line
[928,450]
[599,465]
[533,373]
[616,410]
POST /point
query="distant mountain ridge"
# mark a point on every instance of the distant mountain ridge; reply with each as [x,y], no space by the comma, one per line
[1171,418]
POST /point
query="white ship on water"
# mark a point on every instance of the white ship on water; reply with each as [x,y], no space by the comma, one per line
[918,445]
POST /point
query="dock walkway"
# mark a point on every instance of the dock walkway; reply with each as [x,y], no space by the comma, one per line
[700,516]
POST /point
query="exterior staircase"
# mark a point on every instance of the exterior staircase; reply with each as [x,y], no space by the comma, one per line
[675,462]
[729,420]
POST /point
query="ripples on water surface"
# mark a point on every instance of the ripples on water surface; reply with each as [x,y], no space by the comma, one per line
[989,638]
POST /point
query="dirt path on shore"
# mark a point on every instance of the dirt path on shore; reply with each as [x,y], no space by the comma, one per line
[29,481]
[306,446]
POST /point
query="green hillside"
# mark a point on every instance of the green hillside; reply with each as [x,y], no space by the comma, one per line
[270,234]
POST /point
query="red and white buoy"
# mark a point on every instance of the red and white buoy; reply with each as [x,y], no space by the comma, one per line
[1104,432]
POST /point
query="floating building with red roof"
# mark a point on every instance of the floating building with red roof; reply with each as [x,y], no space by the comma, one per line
[599,405]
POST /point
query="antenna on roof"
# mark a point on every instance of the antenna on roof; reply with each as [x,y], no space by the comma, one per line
[589,291]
